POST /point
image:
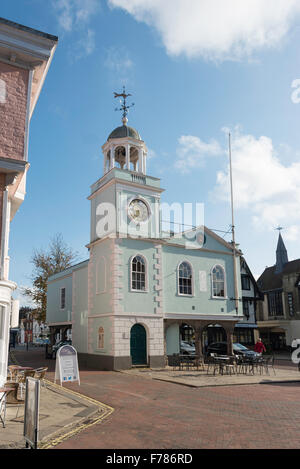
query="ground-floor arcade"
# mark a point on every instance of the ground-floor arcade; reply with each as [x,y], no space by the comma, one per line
[127,341]
[199,332]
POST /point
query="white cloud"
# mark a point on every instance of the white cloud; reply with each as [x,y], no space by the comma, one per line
[84,46]
[192,152]
[263,184]
[74,13]
[215,29]
[266,183]
[24,299]
[119,63]
[75,16]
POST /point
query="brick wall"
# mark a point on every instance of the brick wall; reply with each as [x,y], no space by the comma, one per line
[13,105]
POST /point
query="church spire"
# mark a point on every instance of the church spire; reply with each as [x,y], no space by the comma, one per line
[281,255]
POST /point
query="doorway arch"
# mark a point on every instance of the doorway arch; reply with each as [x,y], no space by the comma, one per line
[138,345]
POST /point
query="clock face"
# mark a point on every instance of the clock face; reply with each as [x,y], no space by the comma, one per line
[138,210]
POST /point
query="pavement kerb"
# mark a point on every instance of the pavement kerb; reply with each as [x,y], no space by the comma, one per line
[57,437]
[226,384]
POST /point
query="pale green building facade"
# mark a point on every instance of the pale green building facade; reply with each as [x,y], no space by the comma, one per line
[141,289]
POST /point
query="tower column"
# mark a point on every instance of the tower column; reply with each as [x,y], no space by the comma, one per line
[105,162]
[127,150]
[141,155]
[112,157]
[145,162]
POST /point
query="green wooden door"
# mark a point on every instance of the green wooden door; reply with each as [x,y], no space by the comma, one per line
[138,345]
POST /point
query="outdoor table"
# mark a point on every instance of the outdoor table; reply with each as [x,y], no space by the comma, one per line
[187,359]
[17,368]
[221,360]
[3,404]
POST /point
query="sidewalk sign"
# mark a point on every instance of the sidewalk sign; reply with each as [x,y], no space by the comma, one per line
[66,366]
[31,413]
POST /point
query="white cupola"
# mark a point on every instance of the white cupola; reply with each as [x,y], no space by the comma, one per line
[124,148]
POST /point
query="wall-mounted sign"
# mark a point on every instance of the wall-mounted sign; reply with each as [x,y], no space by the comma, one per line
[31,414]
[66,366]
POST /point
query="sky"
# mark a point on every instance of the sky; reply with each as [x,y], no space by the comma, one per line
[197,70]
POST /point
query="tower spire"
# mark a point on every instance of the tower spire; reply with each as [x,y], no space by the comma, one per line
[124,108]
[281,253]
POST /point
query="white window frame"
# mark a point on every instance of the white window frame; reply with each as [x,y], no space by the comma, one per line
[146,273]
[103,338]
[212,284]
[190,295]
[60,298]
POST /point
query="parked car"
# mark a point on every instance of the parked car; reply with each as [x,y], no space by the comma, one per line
[238,349]
[58,345]
[41,342]
[186,348]
[38,342]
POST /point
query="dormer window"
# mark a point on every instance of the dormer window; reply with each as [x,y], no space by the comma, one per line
[245,282]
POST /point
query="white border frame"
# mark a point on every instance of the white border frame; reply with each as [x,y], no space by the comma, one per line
[102,348]
[225,297]
[146,273]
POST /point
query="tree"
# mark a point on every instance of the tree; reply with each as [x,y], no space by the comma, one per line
[57,258]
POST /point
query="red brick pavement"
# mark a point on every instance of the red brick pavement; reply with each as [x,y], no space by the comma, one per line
[153,414]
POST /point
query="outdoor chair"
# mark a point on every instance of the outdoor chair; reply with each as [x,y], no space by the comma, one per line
[242,365]
[21,379]
[176,363]
[12,372]
[258,365]
[215,361]
[198,363]
[12,397]
[186,361]
[230,366]
[211,363]
[269,363]
[40,374]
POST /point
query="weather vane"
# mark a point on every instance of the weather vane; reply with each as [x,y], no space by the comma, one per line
[124,106]
[279,228]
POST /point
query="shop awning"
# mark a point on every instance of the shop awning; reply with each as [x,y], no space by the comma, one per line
[246,326]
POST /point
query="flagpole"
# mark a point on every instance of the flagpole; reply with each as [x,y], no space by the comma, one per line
[233,230]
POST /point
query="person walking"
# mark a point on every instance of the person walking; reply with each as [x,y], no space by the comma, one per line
[259,346]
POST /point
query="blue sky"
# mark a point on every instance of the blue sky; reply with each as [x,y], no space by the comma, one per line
[195,70]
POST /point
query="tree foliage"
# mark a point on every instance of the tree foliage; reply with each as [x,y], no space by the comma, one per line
[55,259]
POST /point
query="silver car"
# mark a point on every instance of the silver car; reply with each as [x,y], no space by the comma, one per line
[186,348]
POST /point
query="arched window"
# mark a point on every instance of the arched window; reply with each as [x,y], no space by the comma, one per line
[185,279]
[100,338]
[138,273]
[218,282]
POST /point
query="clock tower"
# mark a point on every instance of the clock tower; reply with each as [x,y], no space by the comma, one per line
[125,235]
[125,201]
